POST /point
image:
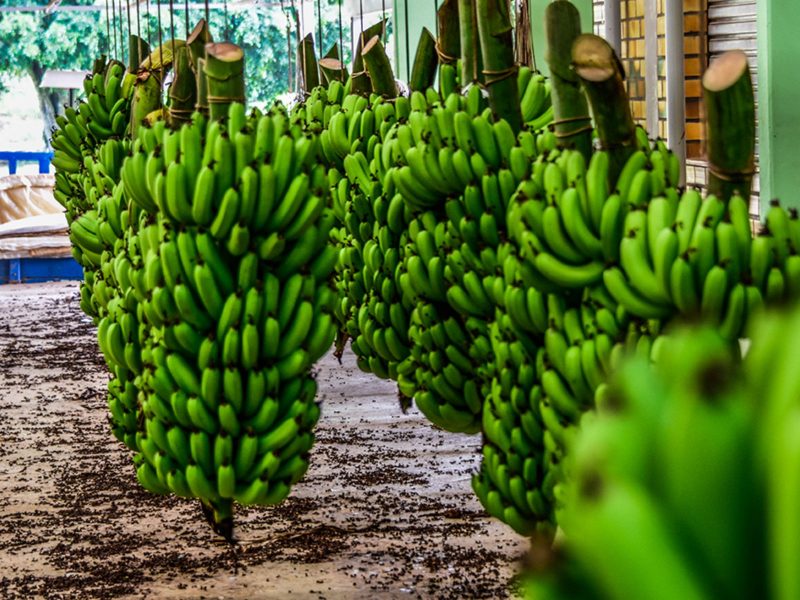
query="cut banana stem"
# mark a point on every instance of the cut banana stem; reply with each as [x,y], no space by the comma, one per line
[423,73]
[224,70]
[359,78]
[379,68]
[600,71]
[471,63]
[730,125]
[573,125]
[307,59]
[499,68]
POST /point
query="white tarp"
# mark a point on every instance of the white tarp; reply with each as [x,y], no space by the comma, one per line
[32,222]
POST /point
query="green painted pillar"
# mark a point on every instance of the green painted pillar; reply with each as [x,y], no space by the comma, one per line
[537,8]
[778,99]
[421,13]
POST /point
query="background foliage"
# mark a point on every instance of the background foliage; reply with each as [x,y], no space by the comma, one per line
[33,42]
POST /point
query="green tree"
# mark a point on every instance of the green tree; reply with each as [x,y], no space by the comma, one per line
[33,42]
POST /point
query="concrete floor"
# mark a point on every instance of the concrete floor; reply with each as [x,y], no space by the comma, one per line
[385,511]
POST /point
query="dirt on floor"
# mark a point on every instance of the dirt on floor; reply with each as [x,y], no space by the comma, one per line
[385,511]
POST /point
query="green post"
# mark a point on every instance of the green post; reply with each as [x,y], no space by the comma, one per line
[420,14]
[537,8]
[778,99]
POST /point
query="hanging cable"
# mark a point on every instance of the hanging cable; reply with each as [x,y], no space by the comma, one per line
[186,13]
[122,43]
[139,25]
[341,38]
[225,8]
[172,24]
[128,6]
[160,57]
[114,23]
[319,21]
[108,30]
[436,18]
[408,44]
[361,16]
[383,18]
[149,27]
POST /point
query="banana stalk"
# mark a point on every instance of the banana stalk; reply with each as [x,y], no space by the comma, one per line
[730,125]
[197,41]
[471,63]
[359,78]
[307,60]
[146,99]
[161,58]
[333,52]
[379,68]
[331,69]
[423,73]
[138,49]
[573,125]
[224,70]
[183,91]
[603,79]
[496,36]
[449,43]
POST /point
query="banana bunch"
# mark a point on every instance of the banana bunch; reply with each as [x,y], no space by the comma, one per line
[87,154]
[456,169]
[692,256]
[683,485]
[516,479]
[231,268]
[357,197]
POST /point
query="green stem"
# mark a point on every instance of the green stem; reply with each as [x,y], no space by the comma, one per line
[497,47]
[379,68]
[307,60]
[471,63]
[183,91]
[730,125]
[573,124]
[603,79]
[359,78]
[423,74]
[331,69]
[137,50]
[224,70]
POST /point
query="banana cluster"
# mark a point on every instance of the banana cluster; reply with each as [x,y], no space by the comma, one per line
[87,154]
[690,485]
[230,270]
[456,169]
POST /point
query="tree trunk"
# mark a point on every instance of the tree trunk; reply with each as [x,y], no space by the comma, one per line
[49,101]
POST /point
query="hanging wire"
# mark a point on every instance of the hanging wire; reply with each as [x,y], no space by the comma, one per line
[225,8]
[383,18]
[128,6]
[361,16]
[408,44]
[436,18]
[139,25]
[108,30]
[341,38]
[121,33]
[172,24]
[160,56]
[149,27]
[208,18]
[114,21]
[319,20]
[186,13]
